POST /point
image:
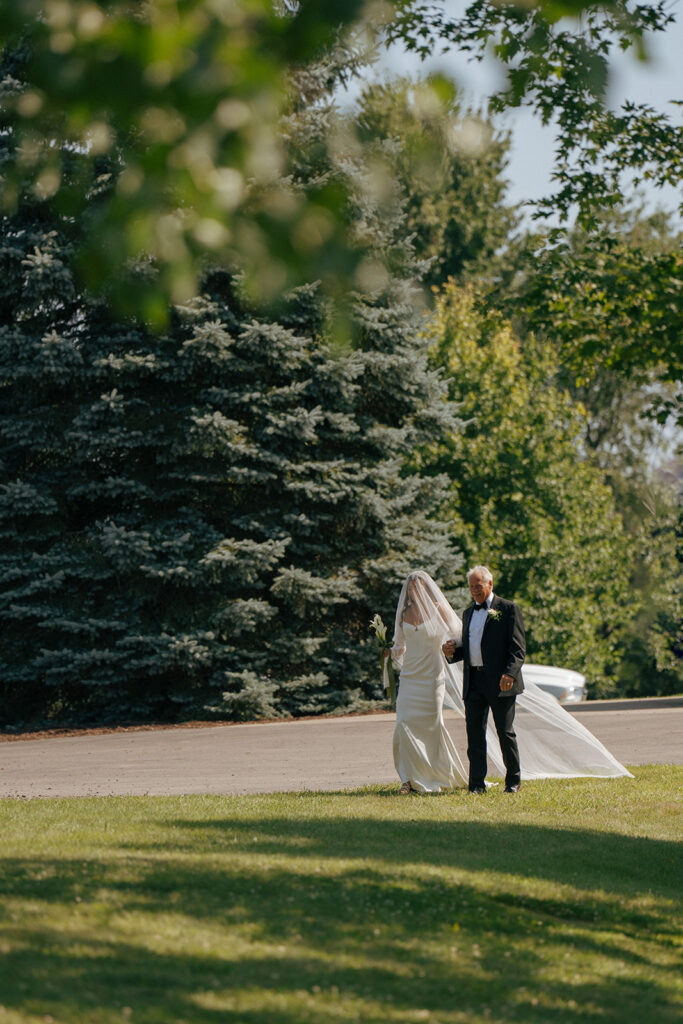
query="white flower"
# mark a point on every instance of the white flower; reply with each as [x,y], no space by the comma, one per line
[380,629]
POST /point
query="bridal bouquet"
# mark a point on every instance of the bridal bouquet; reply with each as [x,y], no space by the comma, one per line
[386,664]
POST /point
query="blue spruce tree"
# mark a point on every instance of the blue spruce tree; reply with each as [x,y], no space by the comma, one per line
[205,521]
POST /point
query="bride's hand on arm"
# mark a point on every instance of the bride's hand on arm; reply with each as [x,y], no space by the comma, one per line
[448,648]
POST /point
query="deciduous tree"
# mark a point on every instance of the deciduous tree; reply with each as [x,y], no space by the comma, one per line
[523,499]
[451,165]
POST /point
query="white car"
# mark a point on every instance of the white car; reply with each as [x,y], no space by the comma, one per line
[567,686]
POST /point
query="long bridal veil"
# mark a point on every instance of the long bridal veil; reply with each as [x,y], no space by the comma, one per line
[552,743]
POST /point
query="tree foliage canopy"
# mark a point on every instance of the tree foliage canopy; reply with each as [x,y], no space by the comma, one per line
[450,164]
[522,499]
[176,108]
[207,518]
[610,304]
[556,56]
[177,105]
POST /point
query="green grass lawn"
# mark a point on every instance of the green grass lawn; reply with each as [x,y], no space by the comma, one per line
[559,904]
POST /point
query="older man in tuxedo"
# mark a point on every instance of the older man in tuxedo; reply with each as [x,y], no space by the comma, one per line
[492,651]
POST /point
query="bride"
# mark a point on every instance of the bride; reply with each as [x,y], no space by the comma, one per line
[424,753]
[552,744]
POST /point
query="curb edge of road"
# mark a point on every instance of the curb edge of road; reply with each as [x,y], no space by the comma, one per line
[618,704]
[626,704]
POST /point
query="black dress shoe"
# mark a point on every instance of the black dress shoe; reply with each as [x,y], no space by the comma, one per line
[479,790]
[512,789]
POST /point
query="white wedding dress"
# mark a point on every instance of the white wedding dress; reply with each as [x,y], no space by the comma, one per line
[424,753]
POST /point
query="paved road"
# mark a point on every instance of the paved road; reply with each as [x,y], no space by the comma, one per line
[326,753]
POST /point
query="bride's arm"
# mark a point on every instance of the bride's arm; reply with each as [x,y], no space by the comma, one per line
[396,653]
[452,646]
[398,650]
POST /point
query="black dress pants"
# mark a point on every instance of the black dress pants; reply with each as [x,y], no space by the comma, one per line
[477,704]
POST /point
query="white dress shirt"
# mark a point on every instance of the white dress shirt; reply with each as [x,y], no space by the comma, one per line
[477,623]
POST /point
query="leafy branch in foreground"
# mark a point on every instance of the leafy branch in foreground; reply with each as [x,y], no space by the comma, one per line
[176,109]
[562,73]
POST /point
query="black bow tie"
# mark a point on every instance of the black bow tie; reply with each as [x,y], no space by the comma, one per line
[480,607]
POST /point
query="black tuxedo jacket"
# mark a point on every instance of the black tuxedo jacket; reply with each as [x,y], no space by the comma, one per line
[503,648]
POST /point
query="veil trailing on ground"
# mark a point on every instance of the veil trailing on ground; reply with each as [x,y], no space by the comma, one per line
[552,744]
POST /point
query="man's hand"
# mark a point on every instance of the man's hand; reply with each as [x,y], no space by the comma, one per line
[506,682]
[448,648]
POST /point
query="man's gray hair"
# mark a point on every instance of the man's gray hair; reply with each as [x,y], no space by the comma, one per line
[481,570]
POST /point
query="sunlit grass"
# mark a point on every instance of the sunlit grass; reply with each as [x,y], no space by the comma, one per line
[559,904]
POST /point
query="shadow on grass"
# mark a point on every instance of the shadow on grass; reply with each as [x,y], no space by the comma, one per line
[160,987]
[580,857]
[298,935]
